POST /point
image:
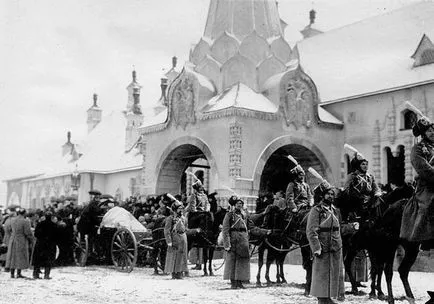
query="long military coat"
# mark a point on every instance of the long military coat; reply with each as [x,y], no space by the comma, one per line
[235,235]
[418,218]
[175,234]
[18,256]
[323,232]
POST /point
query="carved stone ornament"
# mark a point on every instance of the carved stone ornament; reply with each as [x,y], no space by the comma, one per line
[183,104]
[297,104]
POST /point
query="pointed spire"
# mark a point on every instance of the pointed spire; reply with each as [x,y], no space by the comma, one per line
[240,18]
[312,15]
[134,76]
[68,136]
[95,99]
[174,61]
[163,86]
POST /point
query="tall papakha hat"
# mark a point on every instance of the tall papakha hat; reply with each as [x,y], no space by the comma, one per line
[175,203]
[422,124]
[196,182]
[295,168]
[356,157]
[324,186]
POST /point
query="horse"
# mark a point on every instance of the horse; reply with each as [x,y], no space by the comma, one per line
[368,237]
[288,231]
[384,243]
[209,224]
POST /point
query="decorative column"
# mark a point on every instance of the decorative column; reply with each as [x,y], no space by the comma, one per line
[408,144]
[142,185]
[376,152]
[391,124]
[235,149]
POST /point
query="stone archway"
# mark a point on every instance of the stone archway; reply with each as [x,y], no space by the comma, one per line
[271,172]
[176,159]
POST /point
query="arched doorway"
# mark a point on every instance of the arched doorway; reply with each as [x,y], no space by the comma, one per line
[395,165]
[172,177]
[275,175]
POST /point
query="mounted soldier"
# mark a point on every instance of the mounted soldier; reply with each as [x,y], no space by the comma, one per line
[298,193]
[360,188]
[198,200]
[418,218]
[299,197]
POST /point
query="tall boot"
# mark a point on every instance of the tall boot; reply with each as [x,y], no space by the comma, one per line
[19,275]
[234,284]
[240,285]
[36,271]
[47,271]
[12,273]
[323,300]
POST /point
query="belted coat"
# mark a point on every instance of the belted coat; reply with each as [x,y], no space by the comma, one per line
[323,233]
[418,219]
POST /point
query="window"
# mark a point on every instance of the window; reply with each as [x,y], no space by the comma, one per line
[409,119]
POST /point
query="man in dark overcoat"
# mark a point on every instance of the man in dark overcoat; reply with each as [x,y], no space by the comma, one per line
[44,254]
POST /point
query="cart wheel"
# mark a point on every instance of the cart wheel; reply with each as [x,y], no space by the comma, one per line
[81,249]
[124,250]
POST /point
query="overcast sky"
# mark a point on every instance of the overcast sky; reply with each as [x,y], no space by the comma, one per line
[55,54]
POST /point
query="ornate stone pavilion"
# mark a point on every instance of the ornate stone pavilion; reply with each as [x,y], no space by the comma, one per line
[240,105]
[245,100]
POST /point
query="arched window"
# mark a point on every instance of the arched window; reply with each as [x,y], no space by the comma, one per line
[409,119]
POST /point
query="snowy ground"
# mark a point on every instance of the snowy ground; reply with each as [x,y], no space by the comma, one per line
[105,285]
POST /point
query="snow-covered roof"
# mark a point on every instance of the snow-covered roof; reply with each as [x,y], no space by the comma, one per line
[240,96]
[370,56]
[104,148]
[326,116]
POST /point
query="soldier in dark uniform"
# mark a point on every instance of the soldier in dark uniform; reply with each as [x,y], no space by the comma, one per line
[90,218]
[418,217]
[361,189]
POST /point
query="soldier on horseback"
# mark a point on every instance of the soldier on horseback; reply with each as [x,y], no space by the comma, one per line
[418,218]
[198,200]
[361,189]
[298,194]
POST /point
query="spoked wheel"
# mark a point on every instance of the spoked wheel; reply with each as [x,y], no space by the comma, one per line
[81,249]
[124,250]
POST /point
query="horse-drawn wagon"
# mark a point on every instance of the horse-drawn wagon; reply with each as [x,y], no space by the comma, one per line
[120,239]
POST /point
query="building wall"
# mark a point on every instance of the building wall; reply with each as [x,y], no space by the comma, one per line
[378,120]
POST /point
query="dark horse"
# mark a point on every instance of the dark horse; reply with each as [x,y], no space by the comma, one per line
[206,238]
[379,235]
[288,232]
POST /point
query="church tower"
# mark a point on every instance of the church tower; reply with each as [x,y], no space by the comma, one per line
[133,113]
[93,115]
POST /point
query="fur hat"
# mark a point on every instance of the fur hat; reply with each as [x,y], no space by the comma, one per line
[357,157]
[295,167]
[94,192]
[197,185]
[233,200]
[421,126]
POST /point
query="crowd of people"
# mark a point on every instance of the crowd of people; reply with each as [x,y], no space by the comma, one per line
[31,237]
